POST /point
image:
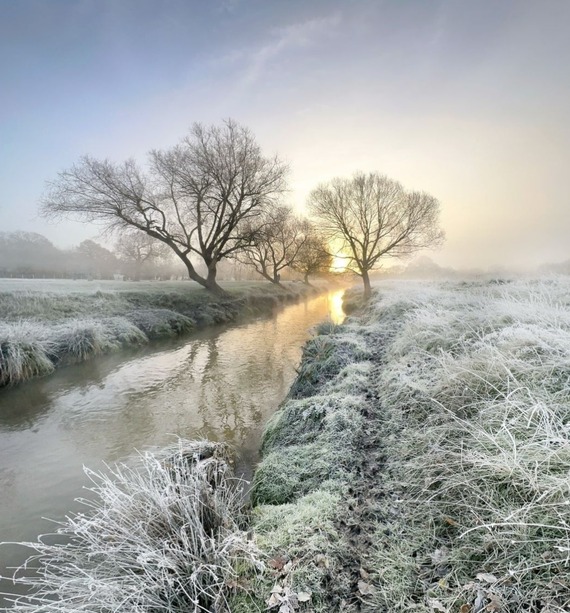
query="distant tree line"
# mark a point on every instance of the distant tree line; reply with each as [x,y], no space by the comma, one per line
[31,255]
[135,256]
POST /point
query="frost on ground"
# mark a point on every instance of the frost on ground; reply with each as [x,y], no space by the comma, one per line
[474,413]
[423,461]
[163,535]
[48,324]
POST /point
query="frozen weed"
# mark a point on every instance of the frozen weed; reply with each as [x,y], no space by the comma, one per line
[308,461]
[475,410]
[21,359]
[306,535]
[163,535]
[160,323]
[323,358]
[46,323]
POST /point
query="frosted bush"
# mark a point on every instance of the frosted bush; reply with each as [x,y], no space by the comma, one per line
[162,535]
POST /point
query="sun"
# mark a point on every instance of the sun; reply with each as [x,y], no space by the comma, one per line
[339,263]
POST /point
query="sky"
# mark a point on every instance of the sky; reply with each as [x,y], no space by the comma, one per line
[467,100]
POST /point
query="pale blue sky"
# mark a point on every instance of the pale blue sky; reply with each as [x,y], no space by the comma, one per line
[469,100]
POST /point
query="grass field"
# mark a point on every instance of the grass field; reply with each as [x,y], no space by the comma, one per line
[66,286]
[47,323]
[421,463]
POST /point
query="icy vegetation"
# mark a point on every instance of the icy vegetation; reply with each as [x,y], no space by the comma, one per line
[67,322]
[423,462]
[420,463]
[162,535]
[302,483]
[474,407]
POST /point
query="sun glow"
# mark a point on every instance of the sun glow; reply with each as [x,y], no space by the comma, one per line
[336,312]
[339,263]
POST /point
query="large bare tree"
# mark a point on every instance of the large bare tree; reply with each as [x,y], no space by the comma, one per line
[370,217]
[201,198]
[277,242]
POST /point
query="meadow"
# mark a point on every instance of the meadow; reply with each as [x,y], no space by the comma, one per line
[423,460]
[48,323]
[420,463]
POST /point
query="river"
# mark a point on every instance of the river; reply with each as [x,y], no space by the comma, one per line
[220,383]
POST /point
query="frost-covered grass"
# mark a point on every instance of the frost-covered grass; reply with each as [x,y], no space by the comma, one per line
[474,410]
[162,535]
[308,464]
[423,460]
[44,324]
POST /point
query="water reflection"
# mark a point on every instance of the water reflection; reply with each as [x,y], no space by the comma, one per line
[336,315]
[222,383]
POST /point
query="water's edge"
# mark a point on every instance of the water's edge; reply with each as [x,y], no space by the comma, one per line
[222,383]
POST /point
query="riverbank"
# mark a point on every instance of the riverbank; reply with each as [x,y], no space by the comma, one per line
[48,324]
[421,463]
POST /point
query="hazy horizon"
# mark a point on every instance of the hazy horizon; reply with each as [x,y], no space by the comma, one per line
[469,101]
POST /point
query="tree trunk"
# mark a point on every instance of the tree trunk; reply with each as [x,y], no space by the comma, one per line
[262,270]
[306,279]
[138,268]
[367,286]
[209,282]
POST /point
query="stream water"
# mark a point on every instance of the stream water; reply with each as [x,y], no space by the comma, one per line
[220,383]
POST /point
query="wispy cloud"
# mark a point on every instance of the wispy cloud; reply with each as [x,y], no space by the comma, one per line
[229,6]
[255,62]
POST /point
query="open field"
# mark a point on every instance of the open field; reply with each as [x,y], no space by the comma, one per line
[66,286]
[421,463]
[47,323]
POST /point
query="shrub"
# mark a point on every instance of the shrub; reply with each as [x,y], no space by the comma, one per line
[160,323]
[21,360]
[163,535]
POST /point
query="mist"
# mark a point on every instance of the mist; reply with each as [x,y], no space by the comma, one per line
[467,101]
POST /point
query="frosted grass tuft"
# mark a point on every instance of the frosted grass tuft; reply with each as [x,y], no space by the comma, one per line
[161,535]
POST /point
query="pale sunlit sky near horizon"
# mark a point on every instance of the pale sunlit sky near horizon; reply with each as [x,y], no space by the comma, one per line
[468,100]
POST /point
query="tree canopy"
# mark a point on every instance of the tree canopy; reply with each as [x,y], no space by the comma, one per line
[314,255]
[371,217]
[277,242]
[201,197]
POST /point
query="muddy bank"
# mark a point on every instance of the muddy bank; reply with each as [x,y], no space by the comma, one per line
[42,329]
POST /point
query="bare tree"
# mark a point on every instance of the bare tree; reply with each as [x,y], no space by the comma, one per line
[314,256]
[137,248]
[94,260]
[371,217]
[276,243]
[200,198]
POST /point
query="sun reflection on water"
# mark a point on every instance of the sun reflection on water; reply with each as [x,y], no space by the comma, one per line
[336,313]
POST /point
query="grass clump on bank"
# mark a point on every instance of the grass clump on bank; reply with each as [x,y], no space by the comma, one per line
[22,359]
[48,324]
[163,535]
[302,483]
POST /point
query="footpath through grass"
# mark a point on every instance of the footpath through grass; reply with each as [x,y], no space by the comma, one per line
[48,323]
